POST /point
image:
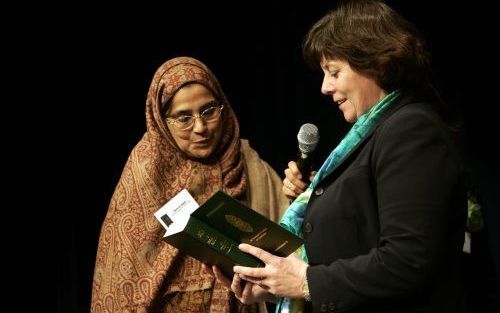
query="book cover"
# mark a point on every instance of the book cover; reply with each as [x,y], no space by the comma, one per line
[212,232]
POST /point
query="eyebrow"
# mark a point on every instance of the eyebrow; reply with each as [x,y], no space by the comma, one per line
[201,109]
[331,66]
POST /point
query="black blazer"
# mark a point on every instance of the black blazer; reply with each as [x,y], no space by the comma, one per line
[384,231]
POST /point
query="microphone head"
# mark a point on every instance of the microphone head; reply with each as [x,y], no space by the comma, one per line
[308,138]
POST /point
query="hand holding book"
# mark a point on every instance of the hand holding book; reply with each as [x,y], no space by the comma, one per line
[212,232]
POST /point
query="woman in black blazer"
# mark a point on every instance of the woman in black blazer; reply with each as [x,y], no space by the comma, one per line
[383,219]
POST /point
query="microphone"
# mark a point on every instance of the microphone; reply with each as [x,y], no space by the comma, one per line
[308,138]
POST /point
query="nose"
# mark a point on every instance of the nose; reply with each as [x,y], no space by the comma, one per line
[327,86]
[199,125]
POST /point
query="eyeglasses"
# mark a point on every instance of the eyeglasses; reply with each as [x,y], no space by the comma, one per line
[185,122]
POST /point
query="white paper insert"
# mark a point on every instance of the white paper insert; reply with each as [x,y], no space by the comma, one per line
[178,208]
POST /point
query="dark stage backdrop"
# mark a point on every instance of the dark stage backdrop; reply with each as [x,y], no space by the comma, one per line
[254,48]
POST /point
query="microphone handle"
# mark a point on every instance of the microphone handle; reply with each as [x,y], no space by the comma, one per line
[304,165]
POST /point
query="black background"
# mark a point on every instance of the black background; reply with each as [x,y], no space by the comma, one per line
[254,48]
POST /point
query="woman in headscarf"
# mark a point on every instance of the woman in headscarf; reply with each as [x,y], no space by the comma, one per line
[192,141]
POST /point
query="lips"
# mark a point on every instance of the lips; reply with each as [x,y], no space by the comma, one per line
[339,102]
[203,141]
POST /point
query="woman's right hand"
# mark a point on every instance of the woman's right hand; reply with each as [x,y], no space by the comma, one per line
[245,291]
[293,185]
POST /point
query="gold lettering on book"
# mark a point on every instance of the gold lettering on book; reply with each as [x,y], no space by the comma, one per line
[239,223]
[225,246]
[281,246]
[211,240]
[259,235]
[215,209]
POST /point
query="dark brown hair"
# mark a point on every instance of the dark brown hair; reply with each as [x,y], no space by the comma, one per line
[374,39]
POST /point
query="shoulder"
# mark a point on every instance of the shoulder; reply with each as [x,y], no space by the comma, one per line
[245,146]
[264,184]
[411,109]
[413,129]
[412,116]
[256,168]
[248,152]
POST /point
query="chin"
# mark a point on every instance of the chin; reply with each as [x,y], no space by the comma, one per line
[350,119]
[200,154]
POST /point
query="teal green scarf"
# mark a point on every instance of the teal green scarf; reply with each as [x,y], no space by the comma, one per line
[294,215]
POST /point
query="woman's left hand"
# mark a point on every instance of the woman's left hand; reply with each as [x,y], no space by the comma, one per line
[283,277]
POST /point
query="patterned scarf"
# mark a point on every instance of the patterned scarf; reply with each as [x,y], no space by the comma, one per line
[294,215]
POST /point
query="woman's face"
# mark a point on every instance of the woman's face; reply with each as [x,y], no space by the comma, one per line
[354,93]
[200,140]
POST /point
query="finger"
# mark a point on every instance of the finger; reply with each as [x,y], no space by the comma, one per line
[311,176]
[295,179]
[236,285]
[246,294]
[253,279]
[288,193]
[259,253]
[290,189]
[287,188]
[288,185]
[250,274]
[297,183]
[294,169]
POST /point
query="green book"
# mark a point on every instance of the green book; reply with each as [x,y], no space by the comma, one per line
[212,232]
